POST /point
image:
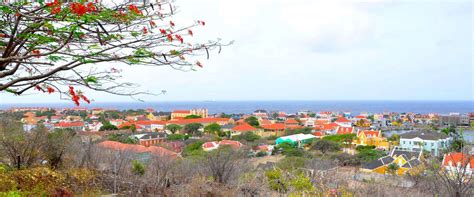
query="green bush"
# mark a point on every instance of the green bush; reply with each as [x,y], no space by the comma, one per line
[194,149]
[340,138]
[246,136]
[177,137]
[363,148]
[369,155]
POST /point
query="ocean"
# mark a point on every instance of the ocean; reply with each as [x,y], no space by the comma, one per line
[355,107]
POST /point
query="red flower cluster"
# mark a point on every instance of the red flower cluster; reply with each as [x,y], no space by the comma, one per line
[78,9]
[145,30]
[91,7]
[190,32]
[37,87]
[55,6]
[134,8]
[163,31]
[152,24]
[179,38]
[198,63]
[169,37]
[50,89]
[171,23]
[201,23]
[76,97]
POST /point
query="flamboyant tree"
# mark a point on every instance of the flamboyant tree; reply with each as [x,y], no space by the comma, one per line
[56,47]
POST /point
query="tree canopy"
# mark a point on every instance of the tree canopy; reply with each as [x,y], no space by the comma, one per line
[68,47]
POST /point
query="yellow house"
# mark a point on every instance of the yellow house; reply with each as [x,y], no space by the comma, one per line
[371,138]
[399,162]
[150,116]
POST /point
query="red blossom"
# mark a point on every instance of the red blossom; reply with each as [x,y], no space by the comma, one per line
[190,32]
[145,30]
[50,89]
[179,38]
[76,98]
[134,8]
[3,36]
[201,23]
[198,63]
[171,23]
[53,4]
[37,87]
[169,37]
[85,99]
[78,9]
[152,23]
[91,7]
[56,10]
[163,31]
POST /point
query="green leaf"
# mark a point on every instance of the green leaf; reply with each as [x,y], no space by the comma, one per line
[91,79]
[10,90]
[55,58]
[174,52]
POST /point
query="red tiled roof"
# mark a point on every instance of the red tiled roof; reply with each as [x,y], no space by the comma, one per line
[209,145]
[182,111]
[276,126]
[344,130]
[160,151]
[244,127]
[318,133]
[370,133]
[360,116]
[129,124]
[150,122]
[265,122]
[330,126]
[291,121]
[460,158]
[199,120]
[232,143]
[321,121]
[70,124]
[342,120]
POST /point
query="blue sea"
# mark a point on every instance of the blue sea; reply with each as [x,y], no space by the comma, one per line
[355,107]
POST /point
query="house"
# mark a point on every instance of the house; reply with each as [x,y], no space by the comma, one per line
[260,113]
[208,146]
[176,114]
[273,129]
[459,164]
[404,162]
[318,134]
[127,125]
[291,124]
[268,149]
[140,151]
[76,126]
[203,121]
[150,138]
[241,128]
[433,142]
[341,121]
[371,138]
[344,130]
[152,125]
[297,139]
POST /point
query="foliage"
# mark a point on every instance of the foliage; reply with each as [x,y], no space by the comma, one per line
[340,138]
[192,116]
[138,168]
[289,149]
[192,128]
[193,149]
[305,130]
[247,136]
[345,159]
[213,128]
[252,121]
[272,137]
[173,128]
[325,146]
[392,168]
[177,137]
[56,144]
[276,180]
[261,154]
[369,155]
[292,163]
[394,138]
[107,127]
[122,138]
[364,148]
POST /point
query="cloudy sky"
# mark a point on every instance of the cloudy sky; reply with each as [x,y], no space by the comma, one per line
[319,50]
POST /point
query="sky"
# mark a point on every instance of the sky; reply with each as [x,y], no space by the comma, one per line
[317,50]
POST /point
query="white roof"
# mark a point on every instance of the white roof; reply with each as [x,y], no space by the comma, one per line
[298,137]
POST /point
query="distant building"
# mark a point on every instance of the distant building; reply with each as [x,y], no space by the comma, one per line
[454,119]
[183,113]
[433,142]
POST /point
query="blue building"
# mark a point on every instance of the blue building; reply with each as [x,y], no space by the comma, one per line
[433,142]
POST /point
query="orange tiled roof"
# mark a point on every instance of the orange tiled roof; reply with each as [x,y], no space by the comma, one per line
[199,120]
[291,121]
[150,122]
[342,120]
[318,133]
[160,151]
[330,126]
[456,158]
[276,126]
[232,143]
[370,133]
[69,124]
[182,111]
[265,122]
[244,127]
[344,130]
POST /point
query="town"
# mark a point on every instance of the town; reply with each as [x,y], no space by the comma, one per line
[389,149]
